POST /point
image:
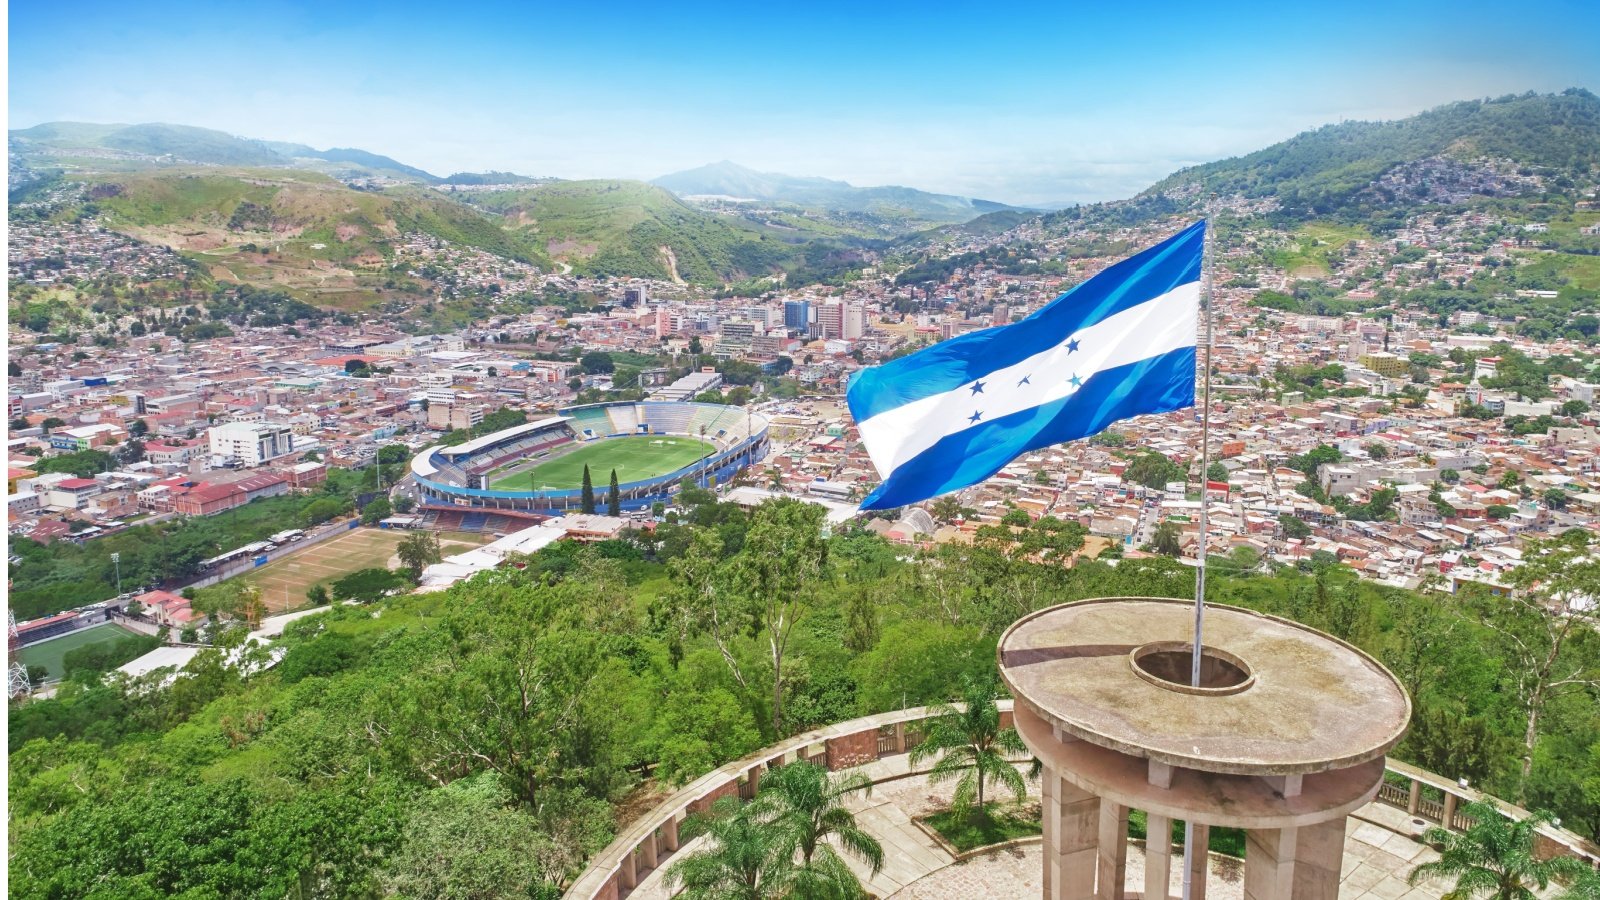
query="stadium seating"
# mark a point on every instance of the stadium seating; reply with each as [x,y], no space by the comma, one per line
[624,418]
[592,420]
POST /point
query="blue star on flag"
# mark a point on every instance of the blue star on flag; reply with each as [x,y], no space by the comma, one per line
[975,416]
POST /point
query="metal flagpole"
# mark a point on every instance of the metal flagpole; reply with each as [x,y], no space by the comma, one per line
[1200,571]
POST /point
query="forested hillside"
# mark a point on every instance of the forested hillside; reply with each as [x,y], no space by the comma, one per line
[1334,169]
[404,744]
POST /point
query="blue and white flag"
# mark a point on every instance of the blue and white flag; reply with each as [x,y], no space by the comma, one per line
[1121,344]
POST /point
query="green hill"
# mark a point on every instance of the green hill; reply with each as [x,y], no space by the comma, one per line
[902,207]
[633,228]
[296,230]
[1355,169]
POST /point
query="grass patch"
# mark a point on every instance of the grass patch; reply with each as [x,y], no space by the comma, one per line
[1226,841]
[51,653]
[995,823]
[634,458]
[1307,253]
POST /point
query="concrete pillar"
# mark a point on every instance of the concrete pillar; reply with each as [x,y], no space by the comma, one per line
[669,834]
[1449,812]
[1157,857]
[630,875]
[1319,854]
[1073,851]
[1047,825]
[647,849]
[1112,872]
[900,737]
[1269,864]
[1414,801]
[1199,861]
[753,775]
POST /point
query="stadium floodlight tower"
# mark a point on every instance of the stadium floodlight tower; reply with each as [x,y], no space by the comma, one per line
[1284,737]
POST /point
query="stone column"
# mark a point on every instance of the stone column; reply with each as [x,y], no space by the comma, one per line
[1449,811]
[1414,801]
[669,834]
[753,775]
[1112,875]
[647,849]
[1269,864]
[1317,861]
[630,875]
[1199,861]
[1157,857]
[1071,857]
[1047,826]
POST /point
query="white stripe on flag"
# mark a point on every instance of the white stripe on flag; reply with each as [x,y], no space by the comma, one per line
[1161,325]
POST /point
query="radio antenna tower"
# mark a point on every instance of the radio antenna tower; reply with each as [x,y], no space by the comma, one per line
[17,675]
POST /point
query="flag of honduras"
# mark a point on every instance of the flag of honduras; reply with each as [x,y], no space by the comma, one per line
[1121,344]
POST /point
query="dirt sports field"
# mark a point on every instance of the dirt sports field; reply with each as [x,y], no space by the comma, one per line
[284,581]
[634,458]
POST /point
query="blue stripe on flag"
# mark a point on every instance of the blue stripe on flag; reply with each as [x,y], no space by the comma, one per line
[961,360]
[1159,384]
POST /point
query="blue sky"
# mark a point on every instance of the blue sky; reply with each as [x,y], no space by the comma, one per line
[1015,102]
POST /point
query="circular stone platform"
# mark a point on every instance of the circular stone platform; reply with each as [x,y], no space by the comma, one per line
[1312,703]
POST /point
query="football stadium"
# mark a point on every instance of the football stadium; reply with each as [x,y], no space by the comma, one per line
[498,481]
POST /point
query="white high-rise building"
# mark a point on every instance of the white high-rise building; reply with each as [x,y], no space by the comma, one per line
[855,321]
[250,443]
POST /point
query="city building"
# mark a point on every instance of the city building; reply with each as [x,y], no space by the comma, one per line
[250,443]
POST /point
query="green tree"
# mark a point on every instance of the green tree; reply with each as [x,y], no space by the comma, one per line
[317,595]
[945,509]
[1165,541]
[376,511]
[778,572]
[972,747]
[1217,472]
[586,501]
[463,842]
[368,585]
[1549,613]
[1555,498]
[419,550]
[803,805]
[614,498]
[741,859]
[1494,858]
[1294,527]
[1152,470]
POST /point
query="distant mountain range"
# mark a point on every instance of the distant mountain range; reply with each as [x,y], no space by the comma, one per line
[731,180]
[204,193]
[1357,168]
[187,144]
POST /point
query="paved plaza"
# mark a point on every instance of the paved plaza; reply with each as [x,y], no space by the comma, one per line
[1378,853]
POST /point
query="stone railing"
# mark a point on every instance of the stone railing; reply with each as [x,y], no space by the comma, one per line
[1436,800]
[649,842]
[646,844]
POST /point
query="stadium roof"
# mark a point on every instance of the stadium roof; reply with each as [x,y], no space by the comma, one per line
[489,440]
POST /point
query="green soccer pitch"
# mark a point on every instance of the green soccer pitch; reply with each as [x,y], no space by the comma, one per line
[635,459]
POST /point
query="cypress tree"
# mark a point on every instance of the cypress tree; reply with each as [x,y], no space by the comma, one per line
[588,492]
[614,505]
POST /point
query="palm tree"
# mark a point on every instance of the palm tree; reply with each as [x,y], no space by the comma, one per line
[801,805]
[1585,887]
[741,861]
[1494,858]
[975,748]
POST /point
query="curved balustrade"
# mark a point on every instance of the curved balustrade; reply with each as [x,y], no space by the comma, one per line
[648,843]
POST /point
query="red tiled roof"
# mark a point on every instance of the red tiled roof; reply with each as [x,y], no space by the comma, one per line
[74,484]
